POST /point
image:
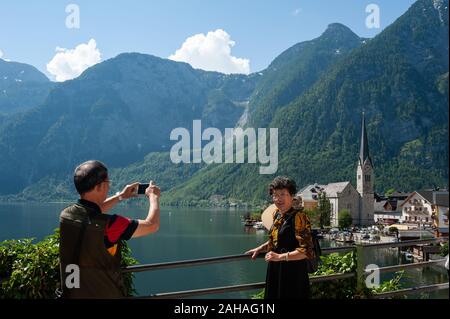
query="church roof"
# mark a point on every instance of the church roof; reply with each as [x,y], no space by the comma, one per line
[333,188]
[364,148]
[381,206]
[310,192]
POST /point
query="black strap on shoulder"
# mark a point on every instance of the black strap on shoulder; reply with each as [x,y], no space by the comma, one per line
[80,240]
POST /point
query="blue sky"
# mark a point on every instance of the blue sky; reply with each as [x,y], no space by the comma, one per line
[30,31]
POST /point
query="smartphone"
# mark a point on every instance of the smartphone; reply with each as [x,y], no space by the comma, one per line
[142,188]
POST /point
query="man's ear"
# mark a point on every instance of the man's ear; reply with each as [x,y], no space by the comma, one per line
[98,187]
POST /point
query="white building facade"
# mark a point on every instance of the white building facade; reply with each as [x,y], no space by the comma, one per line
[427,208]
[342,196]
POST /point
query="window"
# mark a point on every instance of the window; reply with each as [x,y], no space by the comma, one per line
[367,178]
[359,176]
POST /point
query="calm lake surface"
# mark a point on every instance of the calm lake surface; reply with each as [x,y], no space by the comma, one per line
[190,233]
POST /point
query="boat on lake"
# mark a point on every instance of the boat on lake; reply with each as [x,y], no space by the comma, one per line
[259,225]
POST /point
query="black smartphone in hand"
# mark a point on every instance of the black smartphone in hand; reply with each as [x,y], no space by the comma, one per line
[142,188]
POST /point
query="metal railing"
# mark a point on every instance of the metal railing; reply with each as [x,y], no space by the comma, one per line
[235,288]
[360,274]
[408,266]
[212,260]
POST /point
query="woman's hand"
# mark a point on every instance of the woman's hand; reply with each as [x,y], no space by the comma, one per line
[271,256]
[254,252]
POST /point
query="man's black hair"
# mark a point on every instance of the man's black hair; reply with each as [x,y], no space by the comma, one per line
[89,174]
[283,182]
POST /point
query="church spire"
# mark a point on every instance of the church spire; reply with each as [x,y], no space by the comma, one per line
[364,148]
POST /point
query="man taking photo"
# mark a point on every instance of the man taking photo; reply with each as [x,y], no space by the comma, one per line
[91,239]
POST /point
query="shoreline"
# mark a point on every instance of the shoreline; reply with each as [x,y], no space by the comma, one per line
[136,203]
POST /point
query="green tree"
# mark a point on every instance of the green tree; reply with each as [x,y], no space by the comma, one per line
[345,219]
[394,230]
[324,210]
[314,216]
[389,192]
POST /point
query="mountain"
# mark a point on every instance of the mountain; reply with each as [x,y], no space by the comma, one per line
[122,111]
[297,69]
[22,87]
[116,111]
[398,79]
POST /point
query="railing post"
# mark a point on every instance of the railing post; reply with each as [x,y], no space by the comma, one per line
[360,270]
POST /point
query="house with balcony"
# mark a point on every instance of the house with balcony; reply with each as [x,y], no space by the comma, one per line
[387,209]
[427,209]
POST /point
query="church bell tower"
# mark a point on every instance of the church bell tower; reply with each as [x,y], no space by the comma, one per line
[364,180]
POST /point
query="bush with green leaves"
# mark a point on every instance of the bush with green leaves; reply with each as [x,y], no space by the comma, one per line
[31,270]
[444,249]
[335,289]
[390,285]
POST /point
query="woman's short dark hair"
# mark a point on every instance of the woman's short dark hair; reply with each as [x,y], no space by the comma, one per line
[283,182]
[88,175]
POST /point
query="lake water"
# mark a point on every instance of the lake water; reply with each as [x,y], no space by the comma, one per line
[190,233]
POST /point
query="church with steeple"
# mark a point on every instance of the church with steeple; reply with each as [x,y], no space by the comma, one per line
[364,179]
[343,195]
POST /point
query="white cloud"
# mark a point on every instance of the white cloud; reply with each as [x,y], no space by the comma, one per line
[297,11]
[211,52]
[70,63]
[4,59]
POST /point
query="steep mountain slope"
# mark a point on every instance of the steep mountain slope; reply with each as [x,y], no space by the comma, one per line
[117,111]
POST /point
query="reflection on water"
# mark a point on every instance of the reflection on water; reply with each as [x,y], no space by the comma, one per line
[189,233]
